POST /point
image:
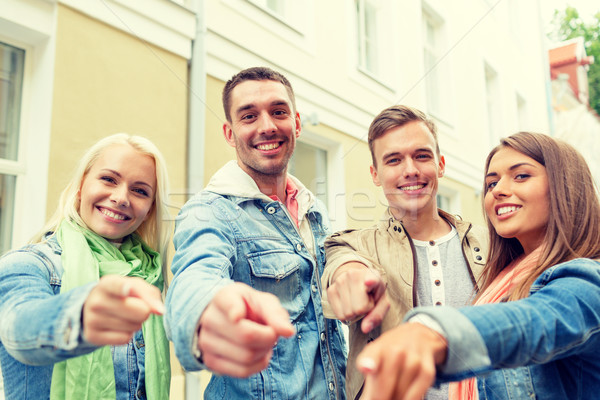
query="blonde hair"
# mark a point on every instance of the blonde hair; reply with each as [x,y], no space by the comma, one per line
[155,230]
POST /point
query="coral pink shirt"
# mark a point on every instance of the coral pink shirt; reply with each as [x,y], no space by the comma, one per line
[291,203]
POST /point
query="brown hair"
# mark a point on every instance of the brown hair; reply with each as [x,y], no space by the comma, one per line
[254,74]
[396,116]
[574,222]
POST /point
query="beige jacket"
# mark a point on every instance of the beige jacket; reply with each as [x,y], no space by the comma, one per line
[387,248]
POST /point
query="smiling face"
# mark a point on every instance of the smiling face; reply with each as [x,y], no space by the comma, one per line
[408,168]
[517,200]
[263,128]
[117,193]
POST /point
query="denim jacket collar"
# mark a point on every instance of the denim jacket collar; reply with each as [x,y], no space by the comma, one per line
[234,182]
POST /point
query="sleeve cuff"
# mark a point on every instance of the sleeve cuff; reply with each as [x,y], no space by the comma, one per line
[467,352]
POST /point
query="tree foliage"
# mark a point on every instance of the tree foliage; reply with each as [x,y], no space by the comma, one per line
[568,24]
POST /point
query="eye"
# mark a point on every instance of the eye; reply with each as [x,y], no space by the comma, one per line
[490,185]
[108,179]
[280,113]
[423,156]
[247,117]
[141,191]
[392,161]
[521,177]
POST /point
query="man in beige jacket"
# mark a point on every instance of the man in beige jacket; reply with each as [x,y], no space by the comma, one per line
[416,255]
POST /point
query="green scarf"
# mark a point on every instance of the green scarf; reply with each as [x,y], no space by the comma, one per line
[86,257]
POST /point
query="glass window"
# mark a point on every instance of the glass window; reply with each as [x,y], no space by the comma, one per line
[431,50]
[492,94]
[309,165]
[522,114]
[11,86]
[367,36]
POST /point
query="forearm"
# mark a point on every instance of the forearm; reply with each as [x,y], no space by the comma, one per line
[43,328]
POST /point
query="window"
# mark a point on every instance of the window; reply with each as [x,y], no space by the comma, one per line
[367,36]
[277,7]
[12,61]
[492,101]
[522,114]
[309,165]
[448,200]
[432,49]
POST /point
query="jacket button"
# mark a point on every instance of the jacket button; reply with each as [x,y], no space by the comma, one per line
[331,387]
[434,263]
[299,247]
[476,249]
[396,228]
[322,336]
[478,258]
[313,288]
[438,282]
[271,210]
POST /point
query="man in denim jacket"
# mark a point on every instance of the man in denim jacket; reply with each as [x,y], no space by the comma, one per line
[245,297]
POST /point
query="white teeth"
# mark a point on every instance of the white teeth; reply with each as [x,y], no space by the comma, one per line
[414,187]
[507,209]
[111,214]
[269,146]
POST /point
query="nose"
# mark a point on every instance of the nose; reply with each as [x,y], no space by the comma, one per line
[501,189]
[120,196]
[410,167]
[266,124]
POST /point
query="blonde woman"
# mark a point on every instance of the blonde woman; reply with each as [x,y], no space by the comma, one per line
[81,304]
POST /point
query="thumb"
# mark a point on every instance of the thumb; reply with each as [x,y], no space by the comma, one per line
[374,284]
[149,294]
[266,309]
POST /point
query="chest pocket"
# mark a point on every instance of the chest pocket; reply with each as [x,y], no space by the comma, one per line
[278,272]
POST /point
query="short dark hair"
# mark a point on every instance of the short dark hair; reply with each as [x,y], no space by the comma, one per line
[254,74]
[396,116]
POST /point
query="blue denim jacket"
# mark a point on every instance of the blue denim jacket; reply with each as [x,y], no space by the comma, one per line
[224,238]
[546,346]
[39,326]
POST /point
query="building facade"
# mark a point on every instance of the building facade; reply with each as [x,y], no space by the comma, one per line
[73,71]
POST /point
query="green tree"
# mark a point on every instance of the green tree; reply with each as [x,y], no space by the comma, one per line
[568,24]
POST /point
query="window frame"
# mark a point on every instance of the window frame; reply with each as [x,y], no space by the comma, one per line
[30,26]
[335,170]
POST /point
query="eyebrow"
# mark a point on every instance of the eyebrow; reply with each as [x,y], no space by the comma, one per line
[397,153]
[513,167]
[112,171]
[252,105]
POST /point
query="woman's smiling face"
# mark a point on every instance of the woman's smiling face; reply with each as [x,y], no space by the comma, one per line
[117,193]
[517,200]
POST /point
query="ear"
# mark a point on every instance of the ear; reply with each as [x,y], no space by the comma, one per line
[442,167]
[298,125]
[374,176]
[228,133]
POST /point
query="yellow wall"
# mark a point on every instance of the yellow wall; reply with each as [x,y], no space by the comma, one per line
[218,152]
[107,81]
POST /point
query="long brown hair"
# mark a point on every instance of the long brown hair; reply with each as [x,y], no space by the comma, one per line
[573,229]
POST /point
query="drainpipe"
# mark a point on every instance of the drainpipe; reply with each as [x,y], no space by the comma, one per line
[195,140]
[197,106]
[547,77]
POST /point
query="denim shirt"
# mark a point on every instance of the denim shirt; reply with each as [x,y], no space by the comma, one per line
[220,239]
[39,326]
[546,346]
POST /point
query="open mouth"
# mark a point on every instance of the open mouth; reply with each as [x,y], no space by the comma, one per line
[113,215]
[412,187]
[268,146]
[506,209]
